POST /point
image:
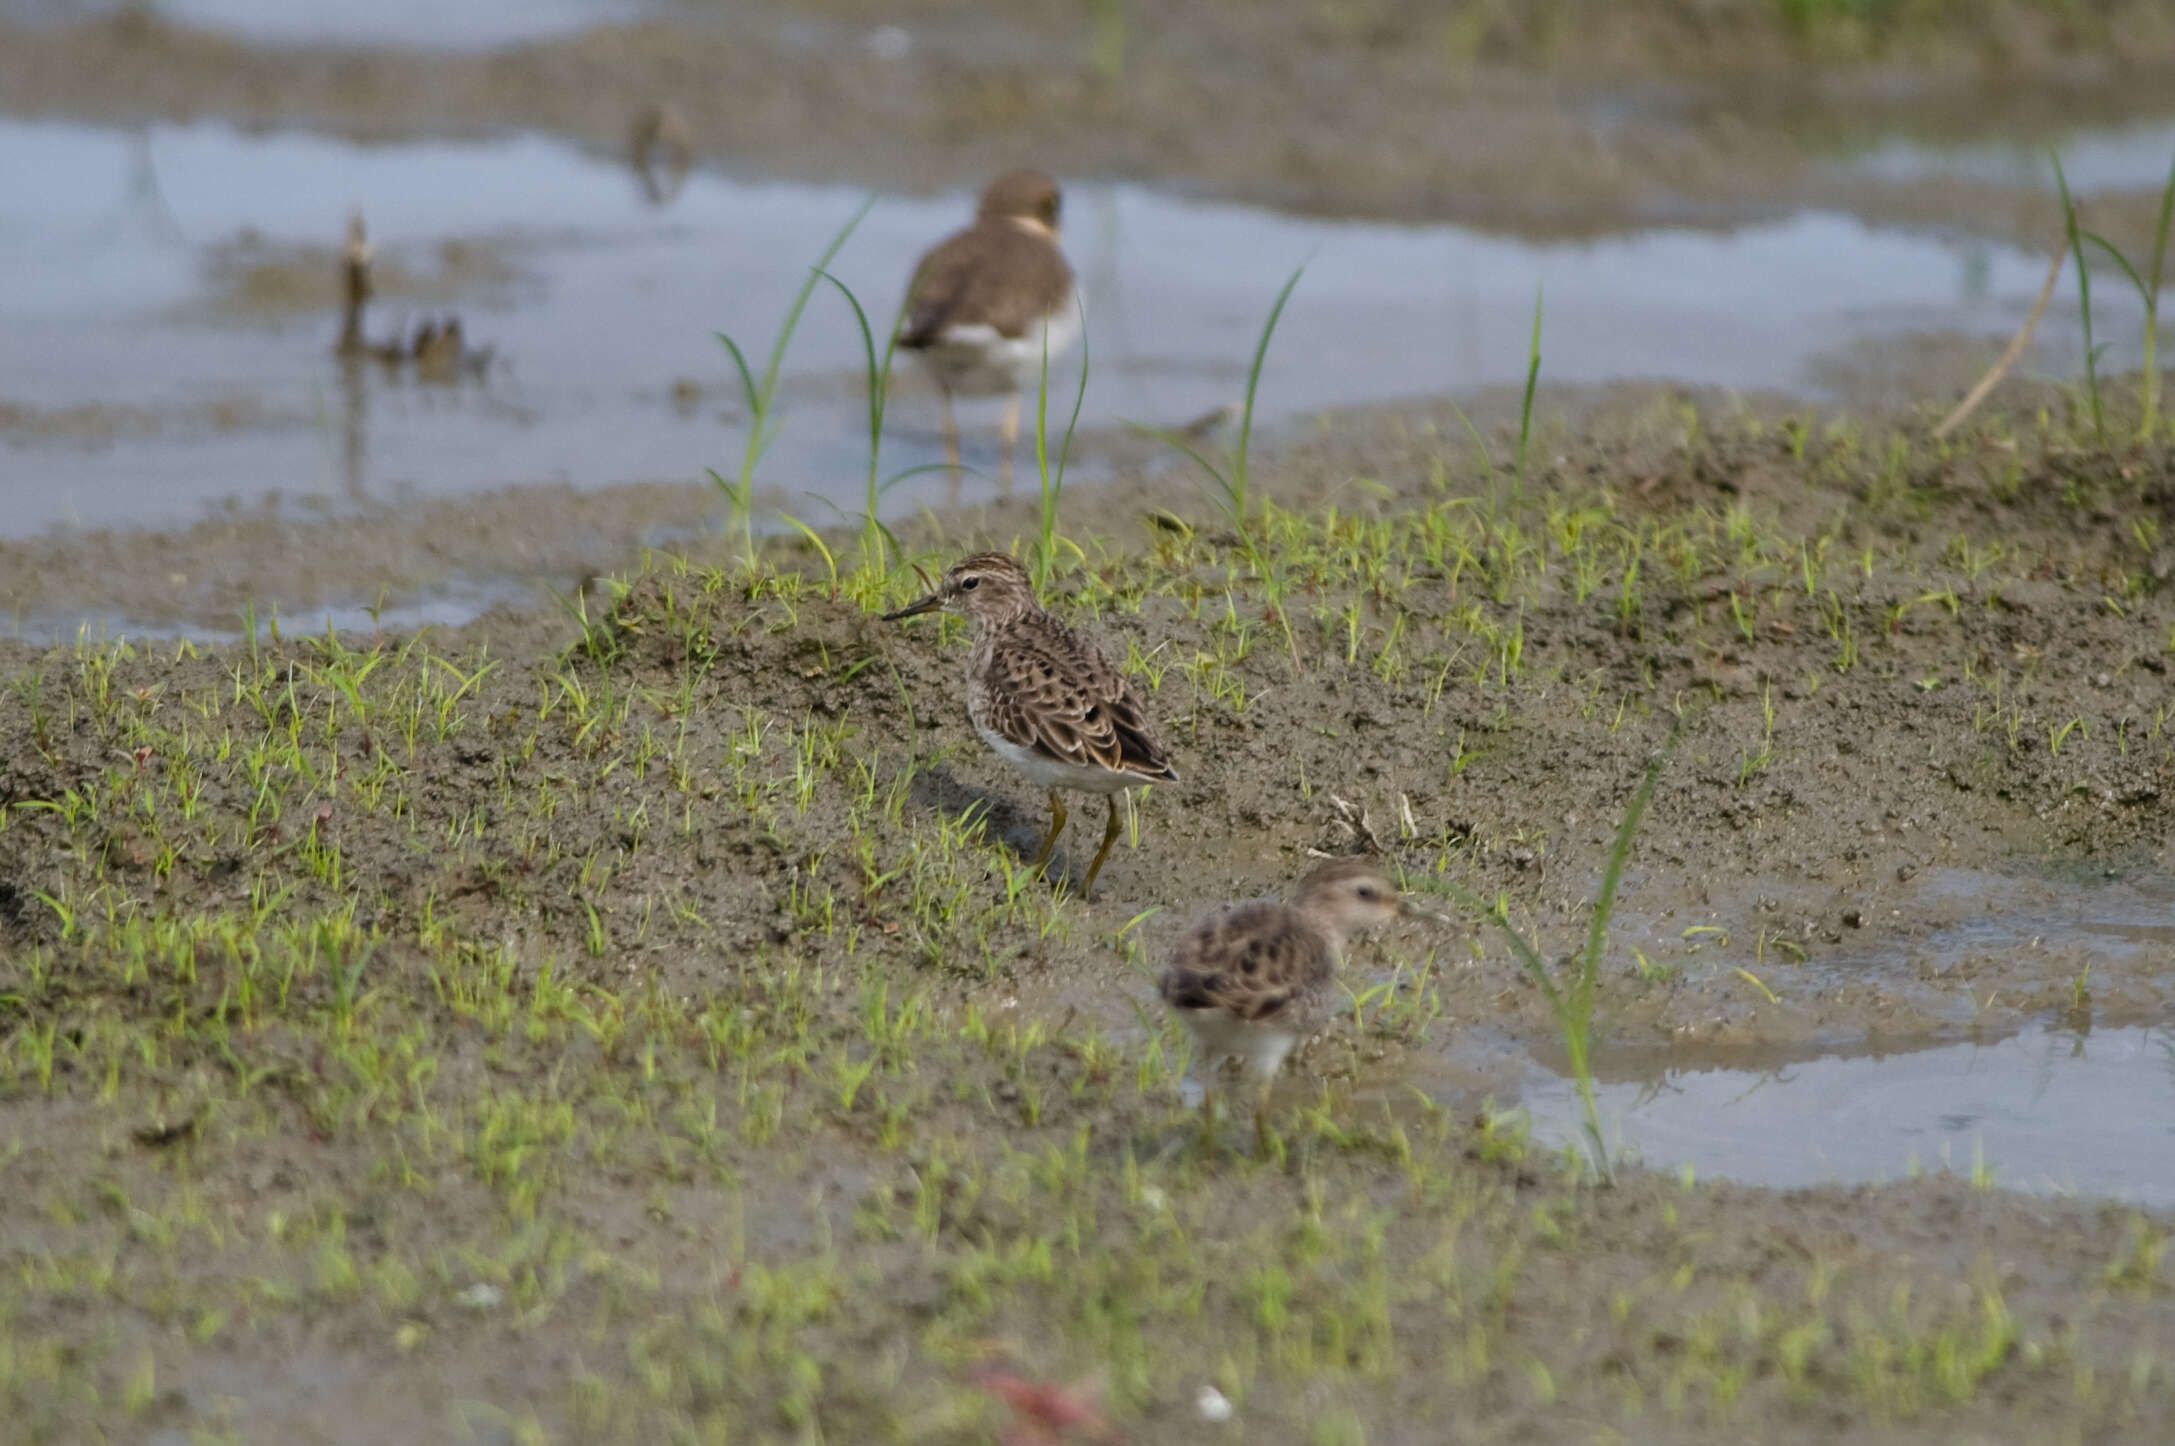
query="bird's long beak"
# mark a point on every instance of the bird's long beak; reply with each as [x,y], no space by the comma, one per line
[928,604]
[1412,908]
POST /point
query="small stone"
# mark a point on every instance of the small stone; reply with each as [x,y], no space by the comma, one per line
[480,1296]
[1214,1405]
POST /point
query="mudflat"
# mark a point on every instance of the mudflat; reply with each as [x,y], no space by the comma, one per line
[630,1016]
[644,1026]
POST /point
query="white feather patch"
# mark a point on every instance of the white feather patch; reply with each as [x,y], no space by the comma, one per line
[972,360]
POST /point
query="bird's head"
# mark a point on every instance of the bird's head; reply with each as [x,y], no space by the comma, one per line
[990,587]
[1027,197]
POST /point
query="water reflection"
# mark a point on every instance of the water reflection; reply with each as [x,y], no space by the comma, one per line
[660,154]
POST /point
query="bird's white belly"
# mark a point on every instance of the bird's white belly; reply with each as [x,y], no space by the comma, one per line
[1050,773]
[1259,1048]
[975,361]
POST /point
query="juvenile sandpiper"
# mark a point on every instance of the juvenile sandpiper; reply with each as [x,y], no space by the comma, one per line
[1044,698]
[1251,980]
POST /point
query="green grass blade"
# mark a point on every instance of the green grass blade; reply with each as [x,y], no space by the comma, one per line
[808,289]
[1253,382]
[2160,232]
[748,392]
[1533,376]
[868,362]
[761,394]
[830,563]
[1528,957]
[890,538]
[915,471]
[1619,853]
[1479,441]
[2149,420]
[2121,261]
[1072,423]
[1046,494]
[2084,298]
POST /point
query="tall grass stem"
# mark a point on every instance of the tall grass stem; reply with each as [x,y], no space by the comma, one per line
[1572,1002]
[760,396]
[2084,300]
[1533,377]
[1051,482]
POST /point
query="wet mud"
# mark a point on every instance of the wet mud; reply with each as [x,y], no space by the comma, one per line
[700,809]
[592,990]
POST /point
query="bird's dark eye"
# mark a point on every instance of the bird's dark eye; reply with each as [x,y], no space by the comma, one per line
[968,584]
[1367,892]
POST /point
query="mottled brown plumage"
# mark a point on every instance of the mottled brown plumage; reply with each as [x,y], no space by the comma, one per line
[1251,980]
[987,303]
[1045,698]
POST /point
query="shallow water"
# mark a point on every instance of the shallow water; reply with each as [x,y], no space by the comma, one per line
[110,291]
[2057,1108]
[2133,157]
[2048,1110]
[425,24]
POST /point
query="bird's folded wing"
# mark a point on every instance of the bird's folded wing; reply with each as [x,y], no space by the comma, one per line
[1250,961]
[1060,697]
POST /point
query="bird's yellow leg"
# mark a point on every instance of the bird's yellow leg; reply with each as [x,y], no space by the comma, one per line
[1008,436]
[1057,826]
[951,435]
[1110,836]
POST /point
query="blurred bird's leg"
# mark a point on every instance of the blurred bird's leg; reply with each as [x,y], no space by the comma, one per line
[1008,436]
[951,448]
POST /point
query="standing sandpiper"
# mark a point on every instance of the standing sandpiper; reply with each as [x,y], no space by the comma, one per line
[1045,698]
[990,302]
[1252,980]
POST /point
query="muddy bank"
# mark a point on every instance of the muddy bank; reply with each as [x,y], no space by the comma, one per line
[306,556]
[1656,113]
[1875,661]
[646,1028]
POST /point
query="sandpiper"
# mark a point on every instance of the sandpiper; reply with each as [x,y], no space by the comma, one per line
[990,302]
[1046,699]
[1252,980]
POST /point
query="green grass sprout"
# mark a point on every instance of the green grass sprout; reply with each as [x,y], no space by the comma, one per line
[760,395]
